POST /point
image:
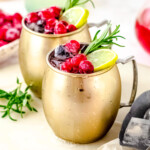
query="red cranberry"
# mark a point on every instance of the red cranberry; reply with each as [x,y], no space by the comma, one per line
[17,16]
[2,18]
[50,24]
[9,18]
[86,66]
[71,28]
[45,15]
[64,22]
[11,34]
[66,66]
[73,46]
[60,28]
[7,25]
[32,17]
[2,43]
[2,33]
[18,26]
[55,11]
[77,59]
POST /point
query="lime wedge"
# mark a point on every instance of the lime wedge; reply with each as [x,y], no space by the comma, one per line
[77,16]
[102,59]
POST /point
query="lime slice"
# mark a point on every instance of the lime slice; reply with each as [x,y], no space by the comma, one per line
[77,16]
[102,59]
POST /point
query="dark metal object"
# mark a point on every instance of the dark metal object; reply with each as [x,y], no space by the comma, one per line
[138,119]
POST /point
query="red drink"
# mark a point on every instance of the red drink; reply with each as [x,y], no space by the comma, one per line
[143,29]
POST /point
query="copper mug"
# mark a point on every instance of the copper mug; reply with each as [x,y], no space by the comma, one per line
[81,108]
[34,46]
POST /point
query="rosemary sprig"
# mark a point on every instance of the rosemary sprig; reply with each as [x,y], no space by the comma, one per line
[16,101]
[106,40]
[72,3]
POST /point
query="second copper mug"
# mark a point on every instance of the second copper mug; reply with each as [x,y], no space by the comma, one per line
[82,107]
[34,46]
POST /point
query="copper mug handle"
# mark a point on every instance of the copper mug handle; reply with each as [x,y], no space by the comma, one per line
[123,61]
[135,80]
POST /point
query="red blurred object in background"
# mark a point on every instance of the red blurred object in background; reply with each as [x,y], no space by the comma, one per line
[142,28]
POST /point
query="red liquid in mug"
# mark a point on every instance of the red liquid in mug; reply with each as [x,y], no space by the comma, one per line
[142,27]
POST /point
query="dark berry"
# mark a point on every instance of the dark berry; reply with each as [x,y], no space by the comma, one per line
[50,24]
[55,11]
[64,23]
[60,28]
[73,46]
[11,34]
[32,17]
[61,53]
[71,28]
[45,15]
[86,66]
[41,23]
[2,43]
[77,59]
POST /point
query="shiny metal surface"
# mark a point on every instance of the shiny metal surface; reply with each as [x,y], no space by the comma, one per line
[81,107]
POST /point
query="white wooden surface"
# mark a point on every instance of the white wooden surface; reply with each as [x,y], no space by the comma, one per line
[33,131]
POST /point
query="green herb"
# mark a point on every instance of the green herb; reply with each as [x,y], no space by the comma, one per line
[72,3]
[105,41]
[16,101]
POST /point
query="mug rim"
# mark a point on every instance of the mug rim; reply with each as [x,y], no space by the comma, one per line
[75,74]
[52,35]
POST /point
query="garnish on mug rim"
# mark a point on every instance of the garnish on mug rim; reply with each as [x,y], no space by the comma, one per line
[105,41]
[73,3]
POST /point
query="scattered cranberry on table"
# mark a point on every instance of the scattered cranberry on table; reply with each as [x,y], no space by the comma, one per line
[10,27]
[47,21]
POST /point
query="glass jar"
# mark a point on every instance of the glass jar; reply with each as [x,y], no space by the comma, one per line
[33,5]
[142,26]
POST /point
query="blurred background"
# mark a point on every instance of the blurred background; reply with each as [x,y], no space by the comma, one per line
[120,12]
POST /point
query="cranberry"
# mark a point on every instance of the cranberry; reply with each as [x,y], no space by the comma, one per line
[17,17]
[71,28]
[11,34]
[2,33]
[55,11]
[18,26]
[7,25]
[2,19]
[2,43]
[50,24]
[64,22]
[86,66]
[66,66]
[45,15]
[77,59]
[9,18]
[32,17]
[73,46]
[60,28]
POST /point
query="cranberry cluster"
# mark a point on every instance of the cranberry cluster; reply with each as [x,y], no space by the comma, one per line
[10,27]
[47,21]
[69,59]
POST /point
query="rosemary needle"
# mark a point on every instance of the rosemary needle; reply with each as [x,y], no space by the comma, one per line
[16,101]
[105,41]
